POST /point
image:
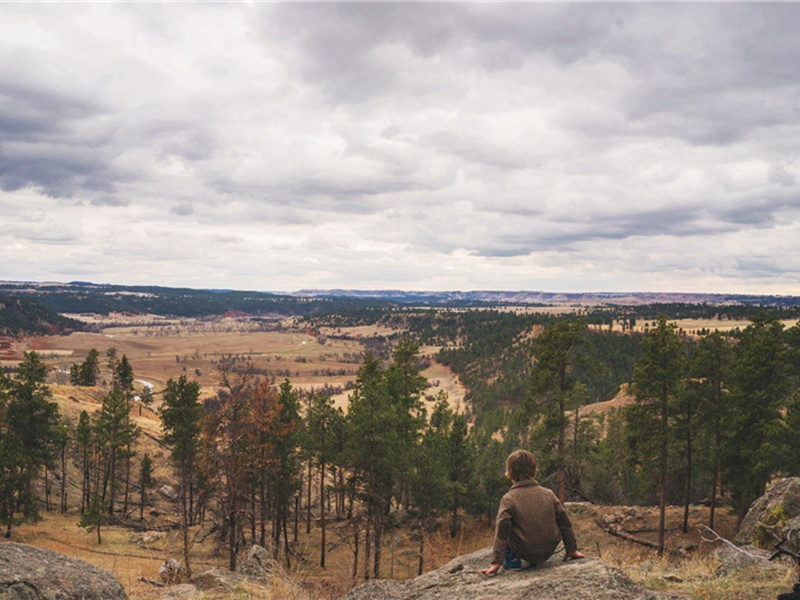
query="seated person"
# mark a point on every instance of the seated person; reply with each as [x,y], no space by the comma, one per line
[531,521]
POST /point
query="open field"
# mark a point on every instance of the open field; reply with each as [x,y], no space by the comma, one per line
[161,349]
[693,327]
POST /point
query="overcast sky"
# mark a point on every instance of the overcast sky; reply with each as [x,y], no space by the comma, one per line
[276,147]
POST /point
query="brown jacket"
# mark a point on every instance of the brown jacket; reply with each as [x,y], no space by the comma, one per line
[531,520]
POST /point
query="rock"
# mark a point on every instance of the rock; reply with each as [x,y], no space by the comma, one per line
[733,559]
[168,492]
[554,580]
[148,537]
[776,511]
[258,564]
[28,573]
[218,578]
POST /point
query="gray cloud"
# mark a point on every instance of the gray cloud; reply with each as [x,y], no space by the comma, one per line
[542,145]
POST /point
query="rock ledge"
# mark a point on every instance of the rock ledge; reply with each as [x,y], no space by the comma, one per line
[588,579]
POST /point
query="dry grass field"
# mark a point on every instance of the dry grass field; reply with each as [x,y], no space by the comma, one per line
[693,326]
[160,349]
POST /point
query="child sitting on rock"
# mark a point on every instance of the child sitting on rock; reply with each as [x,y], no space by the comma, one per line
[531,521]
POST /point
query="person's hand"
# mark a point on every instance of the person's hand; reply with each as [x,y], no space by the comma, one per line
[491,570]
[574,556]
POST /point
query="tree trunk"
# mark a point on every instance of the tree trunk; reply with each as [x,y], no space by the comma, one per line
[662,493]
[308,500]
[322,508]
[421,553]
[688,491]
[356,531]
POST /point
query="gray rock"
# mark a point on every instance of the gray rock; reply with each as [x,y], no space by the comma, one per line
[258,564]
[589,579]
[774,512]
[28,573]
[169,492]
[145,538]
[733,559]
[218,579]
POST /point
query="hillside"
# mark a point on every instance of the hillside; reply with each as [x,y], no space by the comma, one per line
[22,316]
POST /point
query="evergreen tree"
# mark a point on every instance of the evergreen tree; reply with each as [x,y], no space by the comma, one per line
[88,372]
[181,416]
[384,421]
[95,515]
[84,440]
[556,353]
[320,419]
[28,426]
[283,477]
[657,380]
[710,370]
[761,388]
[114,432]
[145,482]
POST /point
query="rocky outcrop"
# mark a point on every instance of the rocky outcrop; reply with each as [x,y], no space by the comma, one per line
[28,573]
[777,511]
[554,580]
[258,566]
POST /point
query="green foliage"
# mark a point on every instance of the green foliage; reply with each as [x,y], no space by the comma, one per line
[762,386]
[113,432]
[94,517]
[181,416]
[86,373]
[29,428]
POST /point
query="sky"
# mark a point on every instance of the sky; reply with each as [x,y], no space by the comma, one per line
[415,146]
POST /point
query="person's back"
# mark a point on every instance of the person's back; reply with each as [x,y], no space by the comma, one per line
[531,521]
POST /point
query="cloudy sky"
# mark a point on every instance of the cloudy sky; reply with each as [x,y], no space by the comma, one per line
[525,146]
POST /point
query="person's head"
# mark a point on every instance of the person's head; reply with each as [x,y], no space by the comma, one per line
[520,465]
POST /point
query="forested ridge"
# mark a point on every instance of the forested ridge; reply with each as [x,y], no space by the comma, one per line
[714,418]
[25,316]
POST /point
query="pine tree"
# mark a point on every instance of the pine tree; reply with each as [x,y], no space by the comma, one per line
[84,440]
[113,432]
[283,478]
[710,370]
[181,416]
[145,482]
[556,353]
[761,385]
[384,421]
[657,379]
[28,426]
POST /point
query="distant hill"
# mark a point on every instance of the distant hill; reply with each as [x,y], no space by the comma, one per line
[83,297]
[550,298]
[24,316]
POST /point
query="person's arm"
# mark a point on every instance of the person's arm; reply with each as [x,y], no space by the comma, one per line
[567,534]
[502,532]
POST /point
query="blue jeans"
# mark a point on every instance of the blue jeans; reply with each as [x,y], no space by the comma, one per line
[510,560]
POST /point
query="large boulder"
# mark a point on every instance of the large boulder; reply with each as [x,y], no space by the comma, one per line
[28,573]
[588,579]
[777,511]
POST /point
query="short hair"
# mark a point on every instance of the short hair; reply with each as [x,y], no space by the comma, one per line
[521,464]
